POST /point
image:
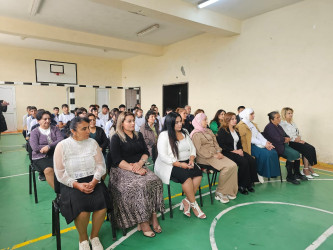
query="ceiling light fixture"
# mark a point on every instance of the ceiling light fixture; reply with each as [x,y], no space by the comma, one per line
[206,3]
[34,7]
[148,30]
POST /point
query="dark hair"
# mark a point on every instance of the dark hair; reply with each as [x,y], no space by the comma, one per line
[240,107]
[216,117]
[122,106]
[80,111]
[271,115]
[105,106]
[149,113]
[42,112]
[77,120]
[94,109]
[33,108]
[64,105]
[226,121]
[91,114]
[169,125]
[114,112]
[56,108]
[97,106]
[92,105]
[29,107]
[198,111]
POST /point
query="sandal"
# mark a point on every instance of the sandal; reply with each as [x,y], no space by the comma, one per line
[182,207]
[157,229]
[195,206]
[149,234]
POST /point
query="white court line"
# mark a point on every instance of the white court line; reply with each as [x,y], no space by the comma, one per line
[320,239]
[213,225]
[10,176]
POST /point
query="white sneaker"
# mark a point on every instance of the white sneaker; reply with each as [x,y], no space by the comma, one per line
[309,176]
[315,174]
[222,198]
[230,197]
[96,244]
[261,179]
[84,245]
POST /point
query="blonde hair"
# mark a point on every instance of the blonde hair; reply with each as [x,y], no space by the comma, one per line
[119,128]
[180,110]
[284,112]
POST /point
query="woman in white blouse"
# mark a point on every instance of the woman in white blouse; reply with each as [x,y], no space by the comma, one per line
[308,151]
[255,144]
[79,166]
[175,161]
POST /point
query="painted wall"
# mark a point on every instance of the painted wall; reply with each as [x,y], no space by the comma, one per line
[18,64]
[282,58]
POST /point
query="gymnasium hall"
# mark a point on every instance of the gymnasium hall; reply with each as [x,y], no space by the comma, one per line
[166,124]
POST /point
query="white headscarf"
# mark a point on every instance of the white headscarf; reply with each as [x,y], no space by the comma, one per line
[257,137]
[245,115]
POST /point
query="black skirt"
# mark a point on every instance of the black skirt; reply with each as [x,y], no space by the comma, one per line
[73,201]
[180,175]
[307,150]
[41,164]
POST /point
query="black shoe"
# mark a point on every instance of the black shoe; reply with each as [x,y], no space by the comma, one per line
[301,177]
[243,190]
[41,177]
[251,189]
[293,181]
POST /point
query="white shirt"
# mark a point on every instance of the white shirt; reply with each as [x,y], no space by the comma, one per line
[104,118]
[108,126]
[163,165]
[56,118]
[160,122]
[31,121]
[138,123]
[64,118]
[78,159]
[100,123]
[290,129]
[24,125]
[236,139]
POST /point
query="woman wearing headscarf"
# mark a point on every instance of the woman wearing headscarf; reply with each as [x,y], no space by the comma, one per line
[209,153]
[255,144]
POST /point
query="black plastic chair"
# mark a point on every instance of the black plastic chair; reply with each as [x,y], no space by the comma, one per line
[32,170]
[211,182]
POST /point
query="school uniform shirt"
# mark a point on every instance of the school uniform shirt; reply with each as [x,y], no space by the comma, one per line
[139,121]
[107,128]
[100,123]
[31,121]
[24,124]
[55,118]
[64,118]
[104,118]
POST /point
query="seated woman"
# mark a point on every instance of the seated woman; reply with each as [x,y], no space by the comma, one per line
[97,133]
[216,123]
[186,124]
[137,192]
[43,141]
[255,144]
[79,166]
[209,153]
[150,131]
[275,133]
[308,151]
[175,161]
[229,141]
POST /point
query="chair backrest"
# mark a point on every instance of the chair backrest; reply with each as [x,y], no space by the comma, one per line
[29,149]
[56,185]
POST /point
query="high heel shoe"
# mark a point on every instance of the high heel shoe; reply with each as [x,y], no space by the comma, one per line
[149,234]
[309,176]
[195,206]
[312,172]
[182,207]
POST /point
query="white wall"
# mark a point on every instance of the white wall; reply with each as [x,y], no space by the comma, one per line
[282,58]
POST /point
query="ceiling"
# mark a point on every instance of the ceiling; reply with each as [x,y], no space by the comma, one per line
[107,28]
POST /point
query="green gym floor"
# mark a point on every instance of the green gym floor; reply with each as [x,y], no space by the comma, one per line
[277,216]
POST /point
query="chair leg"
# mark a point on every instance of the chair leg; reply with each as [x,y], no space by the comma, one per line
[124,232]
[201,203]
[30,182]
[214,179]
[210,187]
[53,220]
[35,186]
[112,224]
[57,229]
[269,179]
[162,214]
[170,204]
[280,171]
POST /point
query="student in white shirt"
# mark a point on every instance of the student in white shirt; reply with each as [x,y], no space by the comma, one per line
[158,118]
[104,115]
[55,115]
[65,117]
[139,119]
[24,124]
[31,120]
[99,122]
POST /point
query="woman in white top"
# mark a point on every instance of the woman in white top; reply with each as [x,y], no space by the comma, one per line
[175,161]
[308,151]
[255,144]
[229,140]
[79,166]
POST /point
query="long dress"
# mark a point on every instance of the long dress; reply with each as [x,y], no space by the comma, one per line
[135,197]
